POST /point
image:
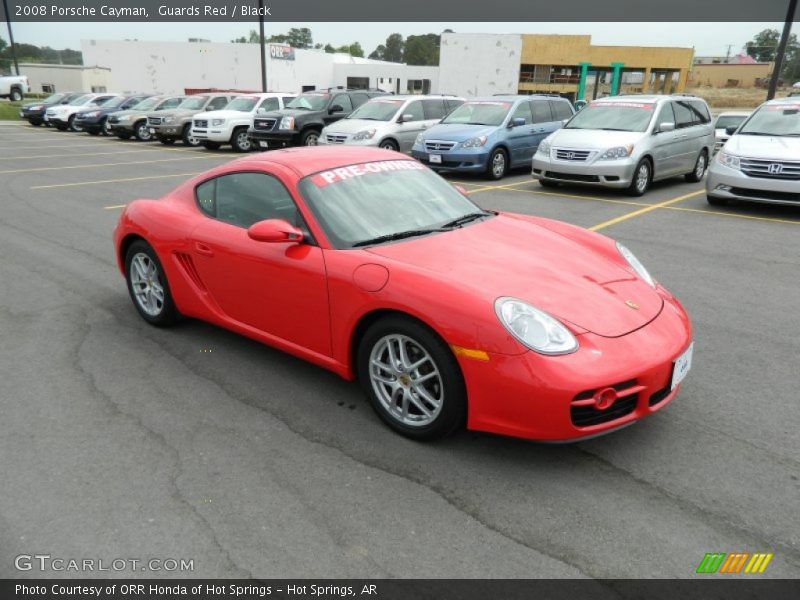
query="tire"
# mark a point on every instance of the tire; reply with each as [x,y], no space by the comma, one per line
[716,201]
[548,184]
[389,145]
[443,393]
[188,139]
[153,302]
[239,140]
[71,124]
[700,166]
[166,141]
[141,132]
[497,166]
[104,127]
[15,95]
[310,137]
[123,135]
[642,178]
[212,145]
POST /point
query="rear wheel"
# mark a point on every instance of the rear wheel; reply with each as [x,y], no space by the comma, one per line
[310,138]
[16,95]
[240,141]
[642,176]
[498,164]
[188,138]
[212,145]
[699,168]
[148,286]
[142,132]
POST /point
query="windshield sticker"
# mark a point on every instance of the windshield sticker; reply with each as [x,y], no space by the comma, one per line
[777,107]
[489,103]
[336,175]
[386,101]
[622,104]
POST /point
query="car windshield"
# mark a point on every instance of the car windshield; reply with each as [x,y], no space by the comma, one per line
[195,103]
[81,100]
[614,116]
[480,112]
[148,103]
[729,121]
[377,110]
[53,98]
[774,119]
[359,204]
[113,102]
[242,103]
[309,101]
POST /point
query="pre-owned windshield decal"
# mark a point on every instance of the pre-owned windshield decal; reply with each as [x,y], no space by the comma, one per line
[342,173]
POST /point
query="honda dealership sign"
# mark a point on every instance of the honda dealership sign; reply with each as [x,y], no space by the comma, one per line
[281,51]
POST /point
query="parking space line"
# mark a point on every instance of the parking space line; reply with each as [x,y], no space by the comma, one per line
[80,183]
[733,215]
[114,207]
[645,210]
[576,197]
[70,155]
[486,188]
[121,164]
[87,144]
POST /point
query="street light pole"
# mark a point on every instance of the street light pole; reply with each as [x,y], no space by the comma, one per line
[11,37]
[261,44]
[776,70]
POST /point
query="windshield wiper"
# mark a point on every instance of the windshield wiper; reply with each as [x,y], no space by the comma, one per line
[756,133]
[466,219]
[400,235]
[612,129]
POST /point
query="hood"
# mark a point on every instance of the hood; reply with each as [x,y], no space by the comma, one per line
[178,112]
[594,139]
[354,125]
[297,113]
[763,146]
[224,114]
[458,132]
[129,111]
[510,256]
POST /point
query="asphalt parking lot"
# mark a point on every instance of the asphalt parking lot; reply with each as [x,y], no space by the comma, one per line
[122,440]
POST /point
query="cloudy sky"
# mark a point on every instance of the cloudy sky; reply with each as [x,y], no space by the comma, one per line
[706,38]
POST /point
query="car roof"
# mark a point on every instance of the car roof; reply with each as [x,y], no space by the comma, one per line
[735,113]
[312,159]
[787,100]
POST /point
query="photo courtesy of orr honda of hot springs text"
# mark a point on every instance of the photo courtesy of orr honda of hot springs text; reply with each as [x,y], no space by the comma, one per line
[367,263]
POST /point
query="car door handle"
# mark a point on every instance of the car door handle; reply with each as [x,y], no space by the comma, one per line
[203,249]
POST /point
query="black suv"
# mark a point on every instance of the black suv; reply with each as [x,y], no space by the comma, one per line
[300,123]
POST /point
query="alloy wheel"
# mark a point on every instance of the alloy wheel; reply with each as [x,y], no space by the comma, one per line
[146,284]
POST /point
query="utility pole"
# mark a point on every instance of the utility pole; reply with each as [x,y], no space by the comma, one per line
[261,44]
[11,37]
[787,29]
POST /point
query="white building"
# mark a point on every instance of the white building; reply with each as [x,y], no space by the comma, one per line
[45,78]
[173,67]
[479,64]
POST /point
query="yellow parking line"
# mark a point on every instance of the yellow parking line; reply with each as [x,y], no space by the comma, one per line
[114,207]
[486,188]
[120,164]
[79,183]
[70,155]
[645,210]
[733,215]
[576,197]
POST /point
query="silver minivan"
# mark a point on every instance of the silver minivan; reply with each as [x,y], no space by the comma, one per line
[628,142]
[390,122]
[761,160]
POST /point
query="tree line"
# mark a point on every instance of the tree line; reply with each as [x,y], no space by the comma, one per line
[28,53]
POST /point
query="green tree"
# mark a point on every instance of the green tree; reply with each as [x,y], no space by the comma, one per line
[422,49]
[394,48]
[764,46]
[329,49]
[378,53]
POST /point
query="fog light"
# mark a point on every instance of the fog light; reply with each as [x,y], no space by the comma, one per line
[723,188]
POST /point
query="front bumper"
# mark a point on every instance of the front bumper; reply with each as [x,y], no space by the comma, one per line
[462,161]
[730,184]
[173,131]
[212,134]
[93,124]
[56,120]
[121,126]
[548,398]
[274,138]
[605,173]
[32,116]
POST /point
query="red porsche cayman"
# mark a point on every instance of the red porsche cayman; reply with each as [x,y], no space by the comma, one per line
[369,264]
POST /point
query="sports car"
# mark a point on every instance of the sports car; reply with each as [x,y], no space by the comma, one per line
[369,264]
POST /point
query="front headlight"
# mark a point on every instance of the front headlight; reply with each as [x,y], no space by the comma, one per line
[636,265]
[168,120]
[367,134]
[37,107]
[534,328]
[125,118]
[475,142]
[217,122]
[544,148]
[92,114]
[729,160]
[618,152]
[420,140]
[287,123]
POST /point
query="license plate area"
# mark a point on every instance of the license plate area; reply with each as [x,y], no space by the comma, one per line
[435,159]
[682,366]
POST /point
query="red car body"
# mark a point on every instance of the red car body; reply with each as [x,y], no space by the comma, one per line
[314,301]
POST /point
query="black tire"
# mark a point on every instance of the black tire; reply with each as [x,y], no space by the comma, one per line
[497,166]
[310,137]
[239,140]
[716,201]
[212,145]
[71,124]
[124,135]
[166,141]
[548,184]
[389,145]
[16,95]
[694,177]
[104,127]
[167,314]
[141,132]
[449,386]
[188,139]
[639,187]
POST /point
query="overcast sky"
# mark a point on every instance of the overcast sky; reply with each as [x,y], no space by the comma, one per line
[706,38]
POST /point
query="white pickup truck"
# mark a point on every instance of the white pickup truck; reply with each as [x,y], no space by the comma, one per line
[14,87]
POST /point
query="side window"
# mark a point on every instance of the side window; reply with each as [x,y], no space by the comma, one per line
[523,111]
[684,115]
[666,114]
[242,199]
[434,109]
[415,110]
[99,100]
[701,111]
[217,103]
[171,103]
[359,99]
[287,99]
[541,111]
[452,104]
[560,110]
[128,103]
[342,100]
[270,104]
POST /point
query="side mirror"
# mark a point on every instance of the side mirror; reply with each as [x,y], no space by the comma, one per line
[516,122]
[261,110]
[336,108]
[405,118]
[731,130]
[275,231]
[665,127]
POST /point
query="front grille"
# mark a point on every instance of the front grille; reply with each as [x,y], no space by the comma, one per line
[659,396]
[439,146]
[765,194]
[154,120]
[265,124]
[572,177]
[584,413]
[202,124]
[770,169]
[572,155]
[335,138]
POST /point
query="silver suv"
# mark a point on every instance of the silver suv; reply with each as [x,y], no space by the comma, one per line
[761,161]
[628,142]
[391,122]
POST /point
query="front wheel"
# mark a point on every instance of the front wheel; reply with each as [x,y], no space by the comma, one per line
[188,138]
[642,176]
[142,132]
[240,141]
[310,138]
[498,164]
[699,168]
[148,286]
[72,126]
[389,145]
[411,378]
[104,126]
